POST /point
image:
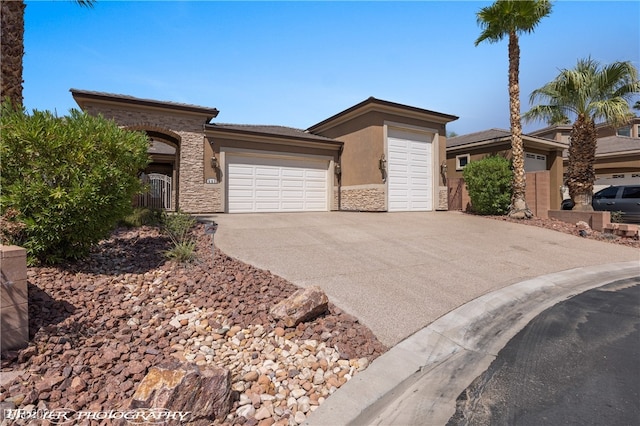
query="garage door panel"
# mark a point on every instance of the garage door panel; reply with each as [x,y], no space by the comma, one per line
[410,171]
[269,184]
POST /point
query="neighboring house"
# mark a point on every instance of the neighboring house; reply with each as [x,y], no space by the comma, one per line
[617,152]
[543,156]
[374,156]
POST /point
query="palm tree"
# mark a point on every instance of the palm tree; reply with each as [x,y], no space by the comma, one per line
[591,92]
[512,18]
[12,48]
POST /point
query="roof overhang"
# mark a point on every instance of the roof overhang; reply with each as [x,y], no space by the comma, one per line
[270,138]
[84,98]
[377,105]
[528,142]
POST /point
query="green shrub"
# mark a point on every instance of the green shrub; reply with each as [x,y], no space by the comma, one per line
[178,227]
[141,216]
[488,182]
[67,180]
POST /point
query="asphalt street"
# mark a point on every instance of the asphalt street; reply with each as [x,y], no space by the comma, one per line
[577,363]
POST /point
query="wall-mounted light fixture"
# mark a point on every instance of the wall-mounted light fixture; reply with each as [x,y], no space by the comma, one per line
[214,163]
[337,169]
[382,163]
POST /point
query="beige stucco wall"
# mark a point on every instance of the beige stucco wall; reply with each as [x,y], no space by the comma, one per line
[194,196]
[363,186]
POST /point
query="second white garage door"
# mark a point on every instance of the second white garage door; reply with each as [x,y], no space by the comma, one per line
[264,184]
[410,171]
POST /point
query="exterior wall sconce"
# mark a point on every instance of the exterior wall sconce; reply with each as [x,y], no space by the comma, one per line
[443,171]
[214,163]
[382,164]
[337,169]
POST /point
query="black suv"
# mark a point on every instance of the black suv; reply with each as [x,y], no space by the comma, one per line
[623,198]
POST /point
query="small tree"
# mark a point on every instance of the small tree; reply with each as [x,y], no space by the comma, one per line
[66,181]
[488,182]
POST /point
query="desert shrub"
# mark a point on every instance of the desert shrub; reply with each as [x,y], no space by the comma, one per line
[178,226]
[142,216]
[488,182]
[67,180]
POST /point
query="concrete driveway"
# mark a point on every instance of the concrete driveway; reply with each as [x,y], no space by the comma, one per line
[398,272]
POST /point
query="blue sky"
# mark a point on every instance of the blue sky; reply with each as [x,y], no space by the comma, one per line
[297,63]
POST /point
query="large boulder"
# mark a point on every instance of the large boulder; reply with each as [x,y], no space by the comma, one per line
[183,388]
[303,305]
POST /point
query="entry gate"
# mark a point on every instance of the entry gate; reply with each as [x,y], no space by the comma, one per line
[159,194]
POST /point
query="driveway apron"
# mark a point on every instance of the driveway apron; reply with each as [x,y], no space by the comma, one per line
[399,272]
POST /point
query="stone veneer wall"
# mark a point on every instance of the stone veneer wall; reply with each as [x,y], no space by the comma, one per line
[194,196]
[363,198]
[443,198]
[14,309]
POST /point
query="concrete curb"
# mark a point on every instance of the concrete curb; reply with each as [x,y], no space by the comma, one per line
[418,380]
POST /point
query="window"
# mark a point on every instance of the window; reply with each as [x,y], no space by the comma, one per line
[462,161]
[624,131]
[631,192]
[617,176]
[607,193]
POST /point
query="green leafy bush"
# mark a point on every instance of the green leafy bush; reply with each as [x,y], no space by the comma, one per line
[141,216]
[488,182]
[66,180]
[178,227]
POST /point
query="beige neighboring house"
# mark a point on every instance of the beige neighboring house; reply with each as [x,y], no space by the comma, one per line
[617,152]
[543,165]
[375,156]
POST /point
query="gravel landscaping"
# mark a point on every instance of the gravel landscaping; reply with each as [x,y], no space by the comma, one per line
[569,228]
[97,326]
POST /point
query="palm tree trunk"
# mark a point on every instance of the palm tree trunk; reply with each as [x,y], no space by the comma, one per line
[582,156]
[519,208]
[11,50]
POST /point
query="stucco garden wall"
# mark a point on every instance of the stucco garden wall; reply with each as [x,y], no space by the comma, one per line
[14,311]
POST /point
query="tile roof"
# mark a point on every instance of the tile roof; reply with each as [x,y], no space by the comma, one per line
[272,130]
[617,144]
[212,112]
[485,135]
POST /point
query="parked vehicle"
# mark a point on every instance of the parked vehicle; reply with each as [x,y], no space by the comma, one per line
[623,198]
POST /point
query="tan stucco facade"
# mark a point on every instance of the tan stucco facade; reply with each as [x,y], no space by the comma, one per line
[351,145]
[364,130]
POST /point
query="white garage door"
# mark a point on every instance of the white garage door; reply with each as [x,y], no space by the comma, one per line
[261,184]
[410,171]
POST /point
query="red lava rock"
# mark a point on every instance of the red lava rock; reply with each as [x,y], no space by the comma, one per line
[96,326]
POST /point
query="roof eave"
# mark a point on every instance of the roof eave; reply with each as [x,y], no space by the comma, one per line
[373,104]
[239,134]
[81,96]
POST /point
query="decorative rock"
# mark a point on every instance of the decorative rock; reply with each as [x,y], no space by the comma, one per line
[183,387]
[251,376]
[78,384]
[300,417]
[262,413]
[246,411]
[302,305]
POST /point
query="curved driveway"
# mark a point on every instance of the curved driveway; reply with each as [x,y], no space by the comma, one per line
[398,272]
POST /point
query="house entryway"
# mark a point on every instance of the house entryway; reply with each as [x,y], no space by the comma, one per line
[159,196]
